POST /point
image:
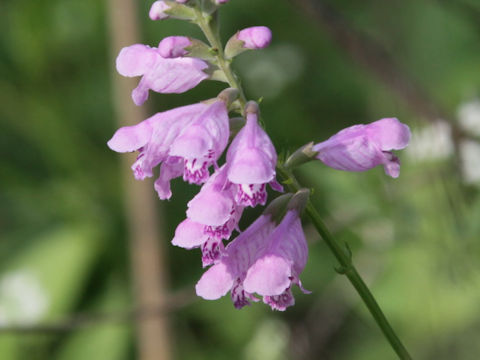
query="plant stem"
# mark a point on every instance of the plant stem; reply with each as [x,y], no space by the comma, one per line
[347,268]
[210,30]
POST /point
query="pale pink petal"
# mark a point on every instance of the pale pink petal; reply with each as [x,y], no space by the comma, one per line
[131,138]
[270,275]
[389,134]
[170,169]
[135,60]
[391,165]
[215,282]
[280,302]
[251,167]
[176,75]
[189,234]
[157,10]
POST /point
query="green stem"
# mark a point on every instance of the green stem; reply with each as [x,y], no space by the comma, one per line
[347,268]
[210,30]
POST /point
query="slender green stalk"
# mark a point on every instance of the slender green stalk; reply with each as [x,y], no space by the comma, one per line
[347,268]
[209,26]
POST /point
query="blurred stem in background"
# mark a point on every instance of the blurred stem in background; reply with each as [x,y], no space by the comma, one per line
[143,218]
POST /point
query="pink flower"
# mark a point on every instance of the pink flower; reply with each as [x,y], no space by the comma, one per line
[157,10]
[251,161]
[256,37]
[362,147]
[174,46]
[264,259]
[158,73]
[187,140]
[212,216]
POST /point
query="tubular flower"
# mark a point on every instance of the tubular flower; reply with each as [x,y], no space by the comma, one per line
[265,259]
[212,215]
[251,161]
[159,74]
[185,140]
[362,147]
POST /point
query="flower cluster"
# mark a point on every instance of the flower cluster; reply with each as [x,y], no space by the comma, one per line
[188,141]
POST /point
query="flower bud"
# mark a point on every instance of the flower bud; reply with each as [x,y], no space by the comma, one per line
[301,156]
[164,9]
[256,37]
[228,95]
[157,11]
[174,46]
[252,38]
[299,200]
[180,46]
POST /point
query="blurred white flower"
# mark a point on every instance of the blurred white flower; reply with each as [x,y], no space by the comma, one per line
[23,300]
[432,142]
[469,120]
[469,116]
[470,155]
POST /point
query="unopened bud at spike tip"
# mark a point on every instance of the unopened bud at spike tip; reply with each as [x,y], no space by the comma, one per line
[157,10]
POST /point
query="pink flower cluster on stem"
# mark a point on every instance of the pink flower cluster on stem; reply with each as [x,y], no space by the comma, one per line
[268,257]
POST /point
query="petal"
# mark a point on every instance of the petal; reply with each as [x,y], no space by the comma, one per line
[391,165]
[288,241]
[270,275]
[280,302]
[389,134]
[170,169]
[251,166]
[131,138]
[135,60]
[193,142]
[176,75]
[189,234]
[350,154]
[215,282]
[140,93]
[210,208]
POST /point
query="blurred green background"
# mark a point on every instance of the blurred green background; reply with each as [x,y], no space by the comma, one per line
[63,234]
